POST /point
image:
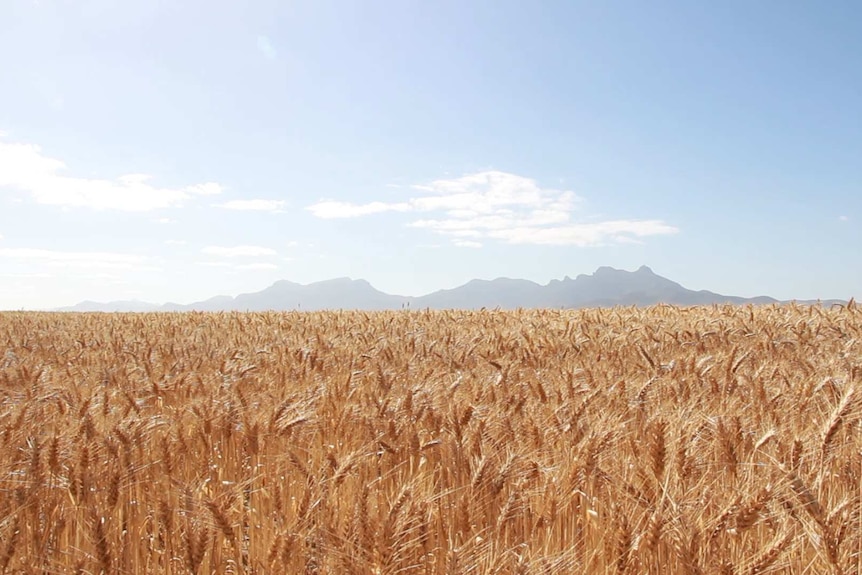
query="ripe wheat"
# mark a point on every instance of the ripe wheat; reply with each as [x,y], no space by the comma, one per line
[660,440]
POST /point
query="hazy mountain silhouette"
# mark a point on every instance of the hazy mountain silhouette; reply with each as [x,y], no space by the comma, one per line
[603,288]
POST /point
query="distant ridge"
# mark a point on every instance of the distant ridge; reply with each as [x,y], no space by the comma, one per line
[606,287]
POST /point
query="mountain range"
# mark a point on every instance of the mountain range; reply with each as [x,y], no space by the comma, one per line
[606,287]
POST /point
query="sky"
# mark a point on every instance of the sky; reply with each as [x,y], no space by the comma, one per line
[172,151]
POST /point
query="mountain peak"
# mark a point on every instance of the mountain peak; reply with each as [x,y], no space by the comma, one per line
[606,286]
[605,270]
[608,271]
[343,282]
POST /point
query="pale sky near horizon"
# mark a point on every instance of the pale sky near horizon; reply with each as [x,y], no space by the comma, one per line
[173,151]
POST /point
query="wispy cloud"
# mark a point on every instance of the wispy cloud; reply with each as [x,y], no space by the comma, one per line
[175,242]
[109,260]
[239,251]
[26,168]
[501,206]
[253,205]
[27,275]
[258,266]
[264,44]
[843,218]
[466,243]
[583,235]
[330,209]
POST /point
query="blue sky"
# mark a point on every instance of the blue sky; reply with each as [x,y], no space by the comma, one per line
[171,151]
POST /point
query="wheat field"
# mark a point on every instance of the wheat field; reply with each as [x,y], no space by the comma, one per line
[661,440]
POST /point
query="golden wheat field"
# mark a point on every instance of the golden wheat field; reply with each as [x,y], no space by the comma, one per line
[660,440]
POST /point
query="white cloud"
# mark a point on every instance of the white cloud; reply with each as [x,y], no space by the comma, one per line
[253,205]
[207,189]
[584,235]
[166,221]
[329,209]
[258,266]
[107,260]
[240,267]
[843,218]
[466,243]
[24,167]
[500,206]
[453,233]
[266,48]
[27,275]
[239,251]
[481,194]
[489,193]
[175,242]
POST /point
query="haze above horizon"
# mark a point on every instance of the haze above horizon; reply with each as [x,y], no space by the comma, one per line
[172,151]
